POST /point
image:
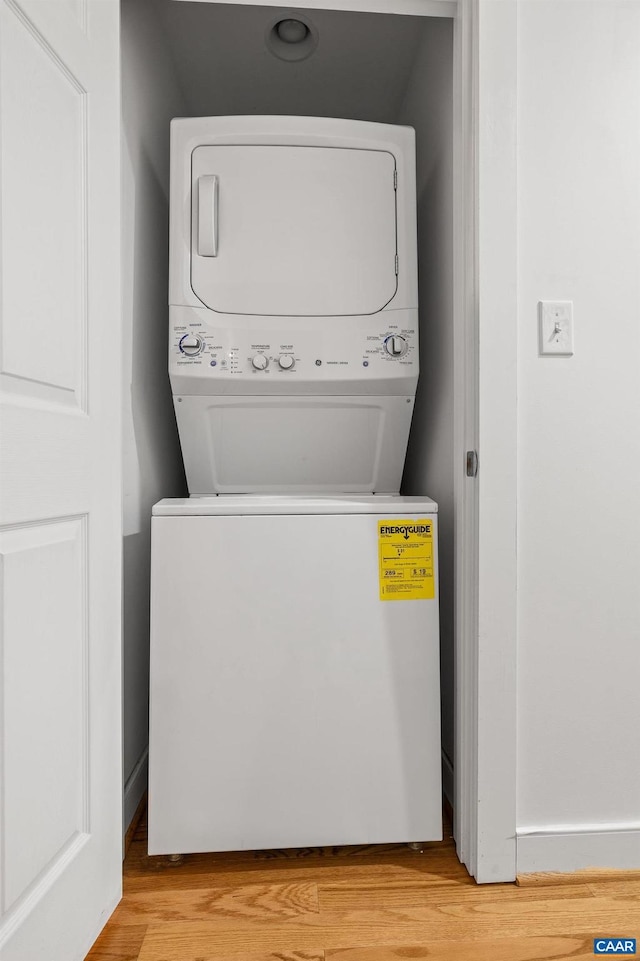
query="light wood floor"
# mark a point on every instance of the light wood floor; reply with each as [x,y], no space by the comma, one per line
[384,903]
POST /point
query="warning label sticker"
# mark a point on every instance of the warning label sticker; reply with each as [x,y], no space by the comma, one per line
[405,555]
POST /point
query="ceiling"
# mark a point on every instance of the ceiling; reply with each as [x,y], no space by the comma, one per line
[359,70]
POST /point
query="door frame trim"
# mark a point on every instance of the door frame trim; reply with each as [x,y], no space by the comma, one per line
[486,274]
[410,8]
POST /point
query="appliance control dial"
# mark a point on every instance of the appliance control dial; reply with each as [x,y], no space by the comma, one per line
[191,344]
[286,361]
[259,361]
[396,346]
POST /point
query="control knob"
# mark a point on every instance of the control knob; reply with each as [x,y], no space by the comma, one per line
[285,361]
[396,346]
[191,344]
[259,361]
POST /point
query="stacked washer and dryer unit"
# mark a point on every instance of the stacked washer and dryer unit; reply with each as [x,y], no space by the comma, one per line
[294,633]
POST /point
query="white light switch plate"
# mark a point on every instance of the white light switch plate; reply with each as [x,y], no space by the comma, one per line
[555,318]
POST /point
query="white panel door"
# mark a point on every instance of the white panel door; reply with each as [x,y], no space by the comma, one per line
[60,514]
[293,231]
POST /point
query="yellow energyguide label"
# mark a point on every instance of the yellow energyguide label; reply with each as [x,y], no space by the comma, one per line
[405,556]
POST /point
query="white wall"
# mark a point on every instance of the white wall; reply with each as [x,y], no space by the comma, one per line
[579,436]
[152,462]
[428,107]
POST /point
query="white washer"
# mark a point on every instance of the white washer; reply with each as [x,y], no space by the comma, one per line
[290,705]
[293,347]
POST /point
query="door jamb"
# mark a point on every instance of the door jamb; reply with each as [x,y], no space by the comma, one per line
[465,352]
[486,644]
[410,8]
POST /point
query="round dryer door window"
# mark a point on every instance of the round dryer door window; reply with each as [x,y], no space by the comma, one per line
[293,231]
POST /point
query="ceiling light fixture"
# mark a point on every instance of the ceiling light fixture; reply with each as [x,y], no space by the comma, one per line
[291,38]
[292,31]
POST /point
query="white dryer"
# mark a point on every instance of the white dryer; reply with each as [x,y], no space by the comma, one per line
[293,351]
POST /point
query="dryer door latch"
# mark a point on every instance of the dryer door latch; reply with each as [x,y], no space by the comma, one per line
[472,463]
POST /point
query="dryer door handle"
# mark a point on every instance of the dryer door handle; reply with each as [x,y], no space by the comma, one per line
[208,216]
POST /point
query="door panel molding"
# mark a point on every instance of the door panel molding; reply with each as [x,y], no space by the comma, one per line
[43,105]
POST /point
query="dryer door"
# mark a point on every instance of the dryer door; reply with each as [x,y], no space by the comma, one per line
[293,231]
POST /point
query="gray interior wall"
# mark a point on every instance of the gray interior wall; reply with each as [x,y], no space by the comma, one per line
[359,69]
[191,59]
[428,106]
[152,462]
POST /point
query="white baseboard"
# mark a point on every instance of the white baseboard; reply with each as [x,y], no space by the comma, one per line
[447,778]
[563,849]
[134,789]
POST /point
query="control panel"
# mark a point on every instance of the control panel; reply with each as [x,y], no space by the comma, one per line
[222,353]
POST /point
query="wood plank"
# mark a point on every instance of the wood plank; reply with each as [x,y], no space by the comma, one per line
[256,902]
[137,819]
[142,825]
[143,873]
[506,949]
[585,874]
[192,941]
[371,894]
[270,956]
[118,944]
[369,853]
[434,861]
[615,887]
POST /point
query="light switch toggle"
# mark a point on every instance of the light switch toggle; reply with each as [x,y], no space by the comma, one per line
[555,320]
